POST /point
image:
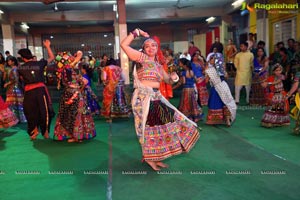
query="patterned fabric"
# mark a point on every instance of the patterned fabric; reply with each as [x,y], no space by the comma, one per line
[92,101]
[189,106]
[200,84]
[202,91]
[120,107]
[277,113]
[7,117]
[91,97]
[217,110]
[151,70]
[166,89]
[113,75]
[258,93]
[15,96]
[223,91]
[219,62]
[295,114]
[162,130]
[74,120]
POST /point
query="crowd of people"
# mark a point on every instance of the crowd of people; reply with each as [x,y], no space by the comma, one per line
[163,130]
[27,98]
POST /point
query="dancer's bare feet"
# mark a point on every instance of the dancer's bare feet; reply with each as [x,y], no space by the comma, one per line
[108,120]
[46,135]
[228,124]
[71,140]
[35,133]
[153,165]
[161,164]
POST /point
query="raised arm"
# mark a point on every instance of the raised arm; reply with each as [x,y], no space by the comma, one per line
[78,57]
[47,44]
[125,44]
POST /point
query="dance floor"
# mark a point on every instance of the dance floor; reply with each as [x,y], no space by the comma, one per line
[244,161]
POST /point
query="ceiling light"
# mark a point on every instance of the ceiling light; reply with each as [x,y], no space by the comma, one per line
[115,7]
[237,3]
[105,35]
[51,37]
[1,12]
[24,25]
[210,19]
[55,7]
[109,44]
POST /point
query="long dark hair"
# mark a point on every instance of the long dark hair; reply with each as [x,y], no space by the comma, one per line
[13,59]
[111,61]
[186,62]
[264,55]
[87,68]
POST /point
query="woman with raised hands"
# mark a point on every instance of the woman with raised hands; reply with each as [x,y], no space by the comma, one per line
[162,130]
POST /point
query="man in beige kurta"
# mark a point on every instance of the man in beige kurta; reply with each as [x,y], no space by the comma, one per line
[243,62]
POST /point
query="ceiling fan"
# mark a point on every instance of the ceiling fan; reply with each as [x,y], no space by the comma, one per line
[47,2]
[178,6]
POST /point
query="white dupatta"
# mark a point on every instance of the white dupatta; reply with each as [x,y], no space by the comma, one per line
[146,103]
[222,90]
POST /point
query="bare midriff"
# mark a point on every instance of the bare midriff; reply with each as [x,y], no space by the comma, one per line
[152,84]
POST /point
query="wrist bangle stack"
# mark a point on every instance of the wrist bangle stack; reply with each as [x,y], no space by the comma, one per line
[135,33]
[175,80]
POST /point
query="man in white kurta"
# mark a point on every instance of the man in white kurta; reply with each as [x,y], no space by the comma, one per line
[243,62]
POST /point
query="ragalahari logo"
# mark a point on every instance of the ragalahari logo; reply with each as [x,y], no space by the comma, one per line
[271,8]
[245,9]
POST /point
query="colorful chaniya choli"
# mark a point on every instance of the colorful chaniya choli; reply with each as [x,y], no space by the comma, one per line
[7,117]
[74,120]
[162,130]
[15,96]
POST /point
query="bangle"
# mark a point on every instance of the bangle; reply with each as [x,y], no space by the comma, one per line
[175,80]
[135,33]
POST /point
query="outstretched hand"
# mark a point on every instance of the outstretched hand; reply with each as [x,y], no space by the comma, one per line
[143,33]
[47,43]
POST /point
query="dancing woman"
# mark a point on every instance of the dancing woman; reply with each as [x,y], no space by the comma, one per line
[91,97]
[277,112]
[259,75]
[221,105]
[197,66]
[162,130]
[188,104]
[110,76]
[74,122]
[121,107]
[14,93]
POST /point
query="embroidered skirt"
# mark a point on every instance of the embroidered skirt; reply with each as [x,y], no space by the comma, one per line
[14,100]
[120,107]
[278,113]
[7,117]
[74,120]
[189,106]
[217,110]
[167,132]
